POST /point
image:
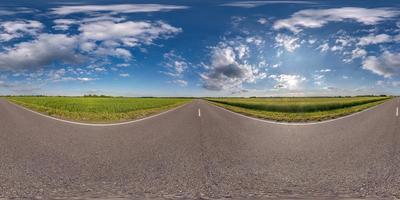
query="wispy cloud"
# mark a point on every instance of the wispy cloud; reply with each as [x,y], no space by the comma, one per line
[252,4]
[287,81]
[290,43]
[316,18]
[114,8]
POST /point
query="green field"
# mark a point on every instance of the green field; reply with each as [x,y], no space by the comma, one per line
[96,109]
[298,109]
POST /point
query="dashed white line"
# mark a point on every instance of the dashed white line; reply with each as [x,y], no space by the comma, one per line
[397,111]
[199,112]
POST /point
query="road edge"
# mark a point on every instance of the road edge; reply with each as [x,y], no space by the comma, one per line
[294,123]
[94,124]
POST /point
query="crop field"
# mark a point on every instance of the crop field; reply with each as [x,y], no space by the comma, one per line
[298,109]
[98,109]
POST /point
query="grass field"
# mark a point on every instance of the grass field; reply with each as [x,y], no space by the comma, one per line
[98,110]
[298,109]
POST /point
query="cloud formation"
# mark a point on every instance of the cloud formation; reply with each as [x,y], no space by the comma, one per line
[253,4]
[229,68]
[290,43]
[386,65]
[44,50]
[102,38]
[130,33]
[316,18]
[287,81]
[114,8]
[15,29]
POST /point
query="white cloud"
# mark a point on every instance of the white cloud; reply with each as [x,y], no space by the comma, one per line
[62,75]
[180,82]
[63,24]
[117,52]
[312,41]
[323,47]
[174,64]
[358,53]
[288,42]
[318,79]
[42,51]
[16,10]
[229,69]
[99,38]
[123,65]
[336,48]
[319,76]
[324,70]
[129,33]
[16,29]
[316,18]
[112,36]
[100,69]
[374,39]
[115,8]
[386,65]
[255,40]
[287,81]
[124,75]
[252,4]
[262,21]
[85,79]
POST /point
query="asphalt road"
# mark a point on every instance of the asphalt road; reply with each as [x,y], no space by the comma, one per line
[200,151]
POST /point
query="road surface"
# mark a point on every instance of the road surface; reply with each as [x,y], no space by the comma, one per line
[200,151]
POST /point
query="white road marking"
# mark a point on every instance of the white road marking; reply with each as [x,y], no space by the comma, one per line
[89,124]
[199,112]
[397,111]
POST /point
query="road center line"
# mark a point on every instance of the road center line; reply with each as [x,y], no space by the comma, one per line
[397,111]
[199,112]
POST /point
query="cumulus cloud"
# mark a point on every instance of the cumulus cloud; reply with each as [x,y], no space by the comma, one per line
[114,8]
[252,4]
[386,65]
[287,81]
[358,53]
[16,29]
[174,64]
[323,47]
[130,33]
[316,18]
[100,38]
[229,68]
[374,39]
[44,50]
[290,43]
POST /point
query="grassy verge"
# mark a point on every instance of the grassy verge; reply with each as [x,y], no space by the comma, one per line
[98,110]
[298,109]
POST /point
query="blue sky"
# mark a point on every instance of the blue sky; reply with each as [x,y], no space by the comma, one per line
[200,48]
